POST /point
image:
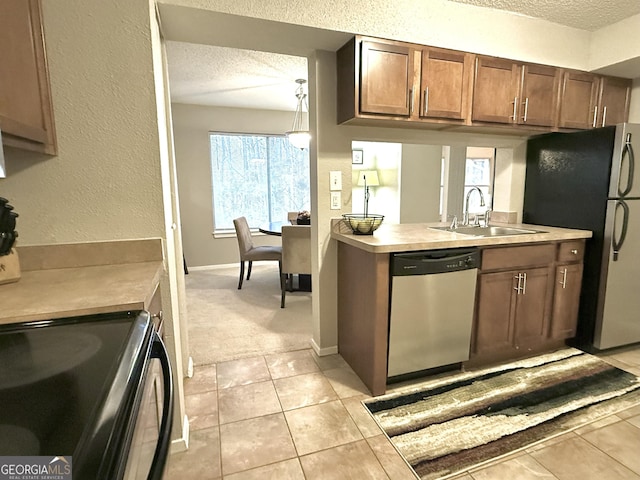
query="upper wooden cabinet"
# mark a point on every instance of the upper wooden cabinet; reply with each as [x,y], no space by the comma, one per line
[613,101]
[386,78]
[495,90]
[515,93]
[578,100]
[381,82]
[590,101]
[396,80]
[445,79]
[26,113]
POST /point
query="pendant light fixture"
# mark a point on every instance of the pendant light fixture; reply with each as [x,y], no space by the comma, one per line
[299,136]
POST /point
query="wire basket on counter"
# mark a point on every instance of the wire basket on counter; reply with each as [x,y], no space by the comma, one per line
[361,224]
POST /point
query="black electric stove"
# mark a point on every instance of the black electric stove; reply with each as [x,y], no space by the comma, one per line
[74,387]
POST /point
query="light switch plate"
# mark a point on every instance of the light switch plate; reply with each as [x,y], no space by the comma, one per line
[336,199]
[335,180]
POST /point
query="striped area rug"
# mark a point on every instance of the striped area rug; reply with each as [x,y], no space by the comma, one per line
[446,426]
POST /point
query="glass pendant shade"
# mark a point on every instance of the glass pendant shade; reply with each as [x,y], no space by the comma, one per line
[299,136]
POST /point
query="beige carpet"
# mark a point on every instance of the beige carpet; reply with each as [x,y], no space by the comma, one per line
[225,323]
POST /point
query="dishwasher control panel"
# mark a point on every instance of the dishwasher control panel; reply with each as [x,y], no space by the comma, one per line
[435,261]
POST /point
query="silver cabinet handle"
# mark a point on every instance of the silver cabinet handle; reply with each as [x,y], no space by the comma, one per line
[410,101]
[604,115]
[426,101]
[564,279]
[595,115]
[526,109]
[2,168]
[574,251]
[522,283]
[519,278]
[515,108]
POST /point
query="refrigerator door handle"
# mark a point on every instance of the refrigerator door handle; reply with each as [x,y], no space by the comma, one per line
[627,151]
[617,242]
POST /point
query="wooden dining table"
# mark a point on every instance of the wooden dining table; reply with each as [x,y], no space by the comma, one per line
[275,228]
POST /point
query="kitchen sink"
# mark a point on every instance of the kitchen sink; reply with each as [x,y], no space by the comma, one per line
[490,231]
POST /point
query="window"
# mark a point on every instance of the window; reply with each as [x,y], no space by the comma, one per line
[261,177]
[478,173]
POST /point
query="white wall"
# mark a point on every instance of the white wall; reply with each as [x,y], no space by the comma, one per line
[191,127]
[420,183]
[385,198]
[615,45]
[105,182]
[438,23]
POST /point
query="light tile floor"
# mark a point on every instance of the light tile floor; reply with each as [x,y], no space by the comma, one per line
[295,416]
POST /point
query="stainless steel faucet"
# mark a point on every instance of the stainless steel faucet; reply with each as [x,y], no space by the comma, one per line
[465,218]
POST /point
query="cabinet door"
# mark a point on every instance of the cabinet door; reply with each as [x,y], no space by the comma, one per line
[495,90]
[566,300]
[531,307]
[26,115]
[495,311]
[386,78]
[578,100]
[613,105]
[539,95]
[445,84]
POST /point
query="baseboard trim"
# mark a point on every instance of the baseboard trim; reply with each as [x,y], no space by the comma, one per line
[181,444]
[214,267]
[322,352]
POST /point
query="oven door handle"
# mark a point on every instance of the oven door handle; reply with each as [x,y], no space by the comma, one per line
[159,351]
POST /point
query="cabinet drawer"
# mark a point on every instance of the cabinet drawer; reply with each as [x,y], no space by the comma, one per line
[571,251]
[516,257]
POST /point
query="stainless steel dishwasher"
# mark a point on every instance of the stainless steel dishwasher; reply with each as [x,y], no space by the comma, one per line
[432,301]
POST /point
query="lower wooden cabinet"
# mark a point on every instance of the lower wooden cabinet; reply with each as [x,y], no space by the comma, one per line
[495,312]
[566,300]
[512,309]
[528,297]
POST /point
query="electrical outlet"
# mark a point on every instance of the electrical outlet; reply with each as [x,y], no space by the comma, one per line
[336,201]
[335,180]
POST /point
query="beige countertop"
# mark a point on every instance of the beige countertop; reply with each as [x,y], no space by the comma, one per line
[389,238]
[118,282]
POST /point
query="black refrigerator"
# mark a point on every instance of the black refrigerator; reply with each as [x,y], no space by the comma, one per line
[588,180]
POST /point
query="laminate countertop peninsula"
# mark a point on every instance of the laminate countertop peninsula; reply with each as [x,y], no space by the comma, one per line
[364,279]
[72,280]
[407,237]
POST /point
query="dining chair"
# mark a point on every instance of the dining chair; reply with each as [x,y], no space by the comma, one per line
[296,255]
[249,252]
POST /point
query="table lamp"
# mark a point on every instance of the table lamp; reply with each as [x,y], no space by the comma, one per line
[366,179]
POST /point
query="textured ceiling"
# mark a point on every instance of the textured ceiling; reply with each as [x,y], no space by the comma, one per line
[220,76]
[228,77]
[583,14]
